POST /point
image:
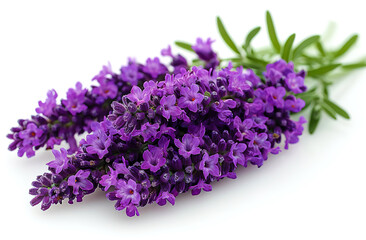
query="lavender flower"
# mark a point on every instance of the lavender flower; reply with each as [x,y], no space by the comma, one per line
[153,159]
[188,146]
[61,161]
[191,98]
[204,51]
[180,134]
[80,181]
[61,122]
[46,107]
[208,165]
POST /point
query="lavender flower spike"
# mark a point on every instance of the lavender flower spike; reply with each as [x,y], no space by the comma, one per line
[157,143]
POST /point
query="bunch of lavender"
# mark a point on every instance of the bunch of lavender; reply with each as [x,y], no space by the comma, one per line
[179,134]
[75,114]
[322,64]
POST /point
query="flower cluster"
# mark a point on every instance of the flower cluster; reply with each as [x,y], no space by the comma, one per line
[75,114]
[179,134]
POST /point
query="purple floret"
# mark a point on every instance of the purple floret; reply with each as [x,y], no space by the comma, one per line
[80,181]
[191,98]
[98,142]
[61,161]
[188,146]
[46,108]
[153,159]
[208,165]
[74,102]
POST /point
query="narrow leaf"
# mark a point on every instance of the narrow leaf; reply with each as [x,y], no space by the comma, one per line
[322,70]
[257,60]
[314,118]
[304,44]
[272,33]
[320,48]
[346,46]
[328,110]
[184,45]
[250,37]
[286,51]
[226,36]
[340,111]
[355,65]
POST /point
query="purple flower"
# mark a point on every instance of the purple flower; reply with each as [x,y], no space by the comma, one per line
[128,192]
[293,136]
[240,81]
[169,107]
[109,179]
[242,127]
[236,153]
[148,131]
[130,73]
[168,84]
[52,141]
[61,161]
[75,99]
[98,141]
[203,49]
[278,70]
[262,100]
[178,61]
[258,141]
[275,96]
[188,146]
[208,165]
[31,135]
[190,98]
[196,189]
[154,67]
[259,121]
[163,197]
[153,159]
[28,150]
[131,210]
[164,130]
[80,181]
[295,83]
[138,96]
[107,89]
[294,105]
[46,108]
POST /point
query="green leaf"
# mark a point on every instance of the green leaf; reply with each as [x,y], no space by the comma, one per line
[258,60]
[346,46]
[226,36]
[184,45]
[272,33]
[354,65]
[304,44]
[250,37]
[286,51]
[322,70]
[197,62]
[320,48]
[314,118]
[340,111]
[328,110]
[234,59]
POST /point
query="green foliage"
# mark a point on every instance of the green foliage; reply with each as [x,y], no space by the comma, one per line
[310,54]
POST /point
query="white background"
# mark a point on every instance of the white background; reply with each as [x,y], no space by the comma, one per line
[315,190]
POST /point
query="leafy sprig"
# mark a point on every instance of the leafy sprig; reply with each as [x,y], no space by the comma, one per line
[310,55]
